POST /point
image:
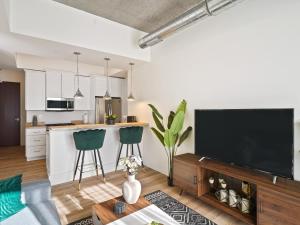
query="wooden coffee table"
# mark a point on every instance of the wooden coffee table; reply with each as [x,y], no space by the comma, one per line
[104,211]
[141,213]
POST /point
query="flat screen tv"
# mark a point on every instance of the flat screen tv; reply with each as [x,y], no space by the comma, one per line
[260,139]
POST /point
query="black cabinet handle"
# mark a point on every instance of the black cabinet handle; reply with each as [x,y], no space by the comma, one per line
[195,179]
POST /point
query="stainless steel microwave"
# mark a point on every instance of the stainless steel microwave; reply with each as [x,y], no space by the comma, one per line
[60,104]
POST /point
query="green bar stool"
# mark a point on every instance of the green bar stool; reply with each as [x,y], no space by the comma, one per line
[89,140]
[130,136]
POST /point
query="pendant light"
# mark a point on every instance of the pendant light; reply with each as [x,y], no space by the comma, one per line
[130,96]
[107,94]
[78,93]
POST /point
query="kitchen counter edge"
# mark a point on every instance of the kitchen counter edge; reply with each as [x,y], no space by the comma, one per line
[96,126]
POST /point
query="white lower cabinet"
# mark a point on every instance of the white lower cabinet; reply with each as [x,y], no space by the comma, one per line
[35,143]
[35,151]
[36,140]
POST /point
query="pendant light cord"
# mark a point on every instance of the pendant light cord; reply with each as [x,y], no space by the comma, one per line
[77,73]
[131,65]
[78,93]
[131,77]
[107,74]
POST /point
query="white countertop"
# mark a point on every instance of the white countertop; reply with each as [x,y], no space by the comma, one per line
[95,126]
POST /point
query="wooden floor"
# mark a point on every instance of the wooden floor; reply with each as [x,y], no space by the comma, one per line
[73,204]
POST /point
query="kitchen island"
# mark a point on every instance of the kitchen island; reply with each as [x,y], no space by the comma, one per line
[61,152]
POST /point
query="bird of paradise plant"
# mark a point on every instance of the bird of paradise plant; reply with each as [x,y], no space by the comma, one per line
[171,135]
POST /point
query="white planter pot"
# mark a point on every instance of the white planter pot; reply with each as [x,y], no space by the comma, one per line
[131,190]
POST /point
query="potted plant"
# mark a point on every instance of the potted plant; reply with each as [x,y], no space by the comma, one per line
[131,188]
[171,135]
[110,119]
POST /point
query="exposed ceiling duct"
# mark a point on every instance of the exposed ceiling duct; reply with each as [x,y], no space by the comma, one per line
[204,9]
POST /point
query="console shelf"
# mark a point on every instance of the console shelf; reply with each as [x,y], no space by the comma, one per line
[211,200]
[276,204]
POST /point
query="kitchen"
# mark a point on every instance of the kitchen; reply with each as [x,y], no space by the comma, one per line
[53,114]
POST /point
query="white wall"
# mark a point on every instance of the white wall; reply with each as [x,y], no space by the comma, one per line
[246,57]
[26,61]
[48,20]
[55,117]
[19,77]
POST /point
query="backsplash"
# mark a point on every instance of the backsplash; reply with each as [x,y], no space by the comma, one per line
[55,117]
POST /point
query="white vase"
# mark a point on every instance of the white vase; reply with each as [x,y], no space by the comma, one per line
[131,190]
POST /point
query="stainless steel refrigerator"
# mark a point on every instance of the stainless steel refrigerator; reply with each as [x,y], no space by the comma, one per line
[107,107]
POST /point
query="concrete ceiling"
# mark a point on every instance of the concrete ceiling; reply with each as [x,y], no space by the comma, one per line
[144,15]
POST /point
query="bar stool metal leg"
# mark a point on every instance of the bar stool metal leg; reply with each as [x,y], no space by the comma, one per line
[96,164]
[102,169]
[127,151]
[76,167]
[140,154]
[81,169]
[118,159]
[132,149]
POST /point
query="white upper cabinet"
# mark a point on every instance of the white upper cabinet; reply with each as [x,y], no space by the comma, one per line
[59,84]
[35,90]
[100,86]
[84,86]
[53,84]
[56,84]
[68,89]
[115,87]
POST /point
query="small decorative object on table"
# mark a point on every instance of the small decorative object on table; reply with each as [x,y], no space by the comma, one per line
[211,182]
[246,188]
[131,119]
[245,201]
[131,188]
[222,183]
[155,223]
[244,205]
[34,121]
[222,194]
[110,119]
[85,118]
[233,199]
[119,207]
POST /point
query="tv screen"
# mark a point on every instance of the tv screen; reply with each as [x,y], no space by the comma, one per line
[260,139]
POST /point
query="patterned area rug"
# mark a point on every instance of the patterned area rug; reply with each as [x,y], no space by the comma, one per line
[180,212]
[85,221]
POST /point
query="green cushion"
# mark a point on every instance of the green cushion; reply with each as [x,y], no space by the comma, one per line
[89,139]
[10,197]
[131,135]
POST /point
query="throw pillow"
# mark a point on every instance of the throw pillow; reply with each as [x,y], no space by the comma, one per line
[10,197]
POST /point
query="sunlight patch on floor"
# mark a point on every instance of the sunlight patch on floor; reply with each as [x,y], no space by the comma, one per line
[91,192]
